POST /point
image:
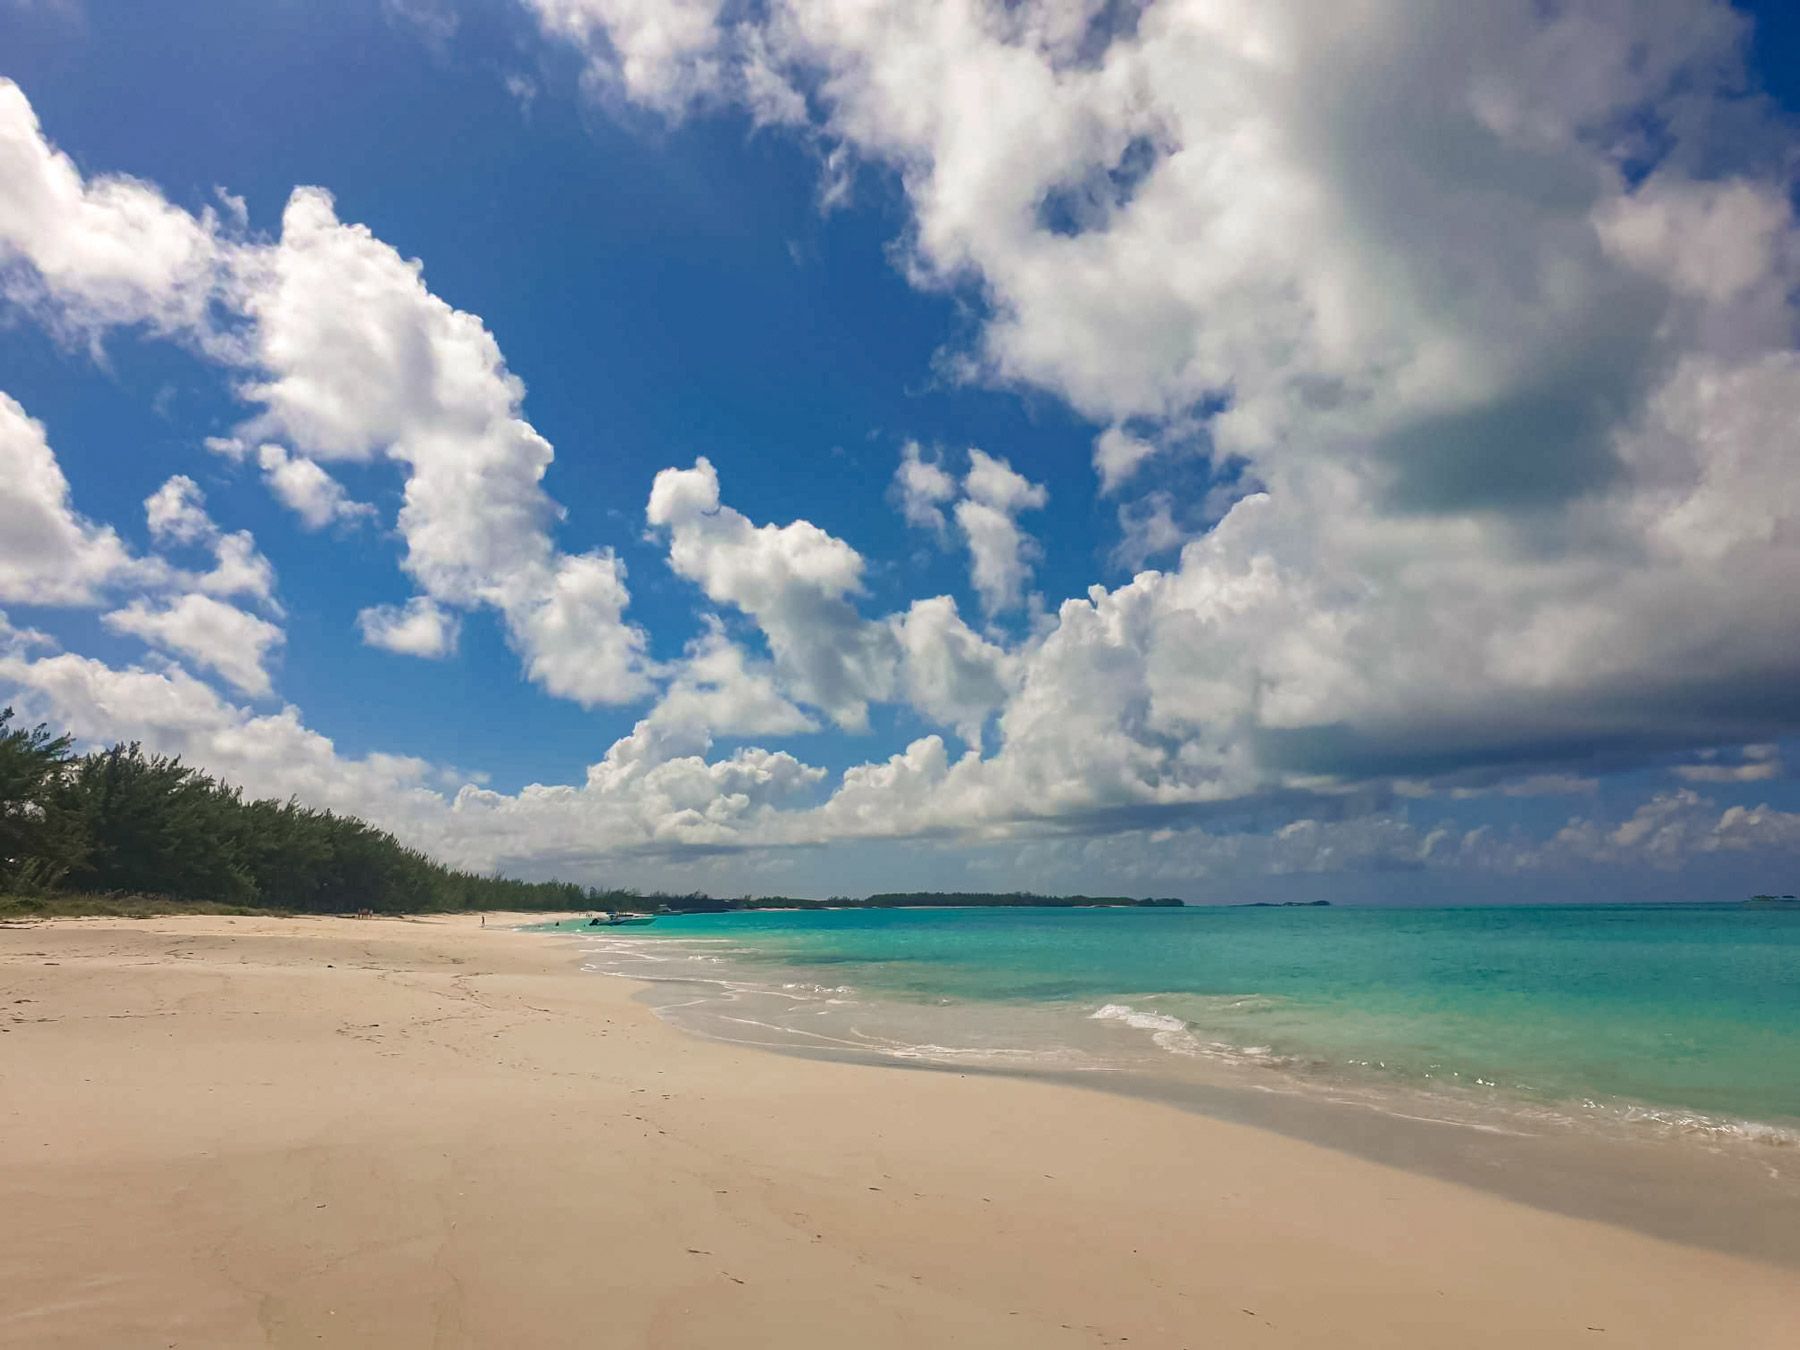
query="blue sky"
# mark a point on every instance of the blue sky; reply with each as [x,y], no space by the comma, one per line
[795,285]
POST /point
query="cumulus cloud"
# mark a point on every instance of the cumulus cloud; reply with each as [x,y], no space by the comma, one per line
[49,555]
[1672,829]
[653,797]
[354,358]
[1000,553]
[799,584]
[1753,764]
[350,357]
[1493,303]
[239,568]
[171,712]
[987,502]
[641,803]
[1490,302]
[631,802]
[216,635]
[1147,528]
[921,488]
[577,644]
[948,671]
[672,55]
[177,516]
[664,53]
[176,513]
[1207,204]
[308,491]
[1118,455]
[719,690]
[795,580]
[95,252]
[420,627]
[363,361]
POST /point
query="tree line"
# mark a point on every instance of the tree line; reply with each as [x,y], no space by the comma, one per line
[121,821]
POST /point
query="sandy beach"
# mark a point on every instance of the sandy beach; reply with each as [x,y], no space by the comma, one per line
[329,1132]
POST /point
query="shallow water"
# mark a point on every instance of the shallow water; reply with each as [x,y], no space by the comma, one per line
[1685,1017]
[1631,1065]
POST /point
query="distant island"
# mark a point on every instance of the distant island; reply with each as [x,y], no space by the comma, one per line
[700,903]
[1283,904]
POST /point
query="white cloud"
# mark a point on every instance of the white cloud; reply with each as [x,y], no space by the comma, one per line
[719,690]
[920,489]
[795,580]
[993,482]
[1118,455]
[767,92]
[1672,829]
[364,361]
[171,712]
[308,491]
[176,513]
[649,798]
[1755,764]
[992,495]
[798,583]
[1515,379]
[576,642]
[91,253]
[1191,211]
[231,448]
[358,361]
[1729,773]
[218,636]
[673,55]
[49,555]
[630,803]
[948,671]
[434,20]
[239,568]
[663,53]
[1148,528]
[1518,417]
[633,802]
[177,516]
[420,627]
[1000,553]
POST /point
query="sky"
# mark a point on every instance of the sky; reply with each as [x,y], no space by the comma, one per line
[1203,448]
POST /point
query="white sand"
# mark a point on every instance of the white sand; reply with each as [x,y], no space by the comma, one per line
[241,1132]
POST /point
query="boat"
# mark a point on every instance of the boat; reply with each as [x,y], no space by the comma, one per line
[619,920]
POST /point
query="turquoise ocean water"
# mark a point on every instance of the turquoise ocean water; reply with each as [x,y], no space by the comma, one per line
[1687,1017]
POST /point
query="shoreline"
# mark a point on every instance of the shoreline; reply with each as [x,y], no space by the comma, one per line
[353,1132]
[1739,1196]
